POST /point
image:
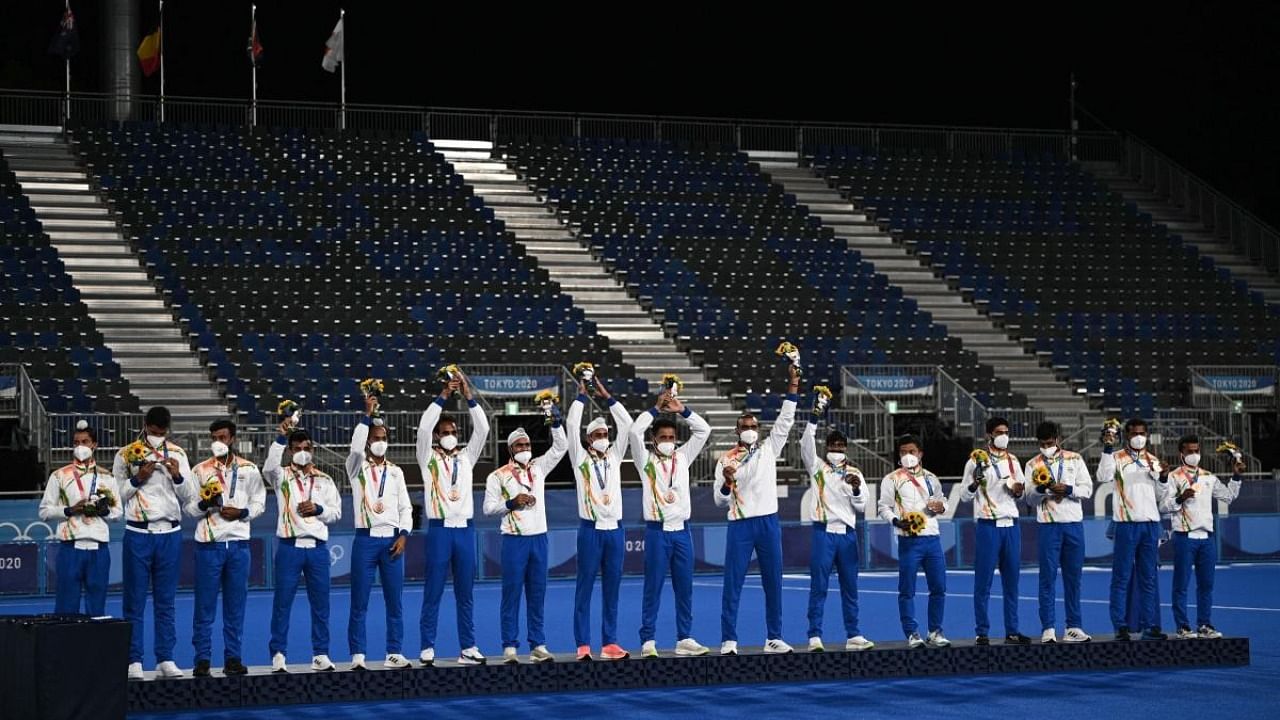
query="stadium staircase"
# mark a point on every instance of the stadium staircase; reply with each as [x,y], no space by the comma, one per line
[153,351]
[618,316]
[1165,213]
[962,318]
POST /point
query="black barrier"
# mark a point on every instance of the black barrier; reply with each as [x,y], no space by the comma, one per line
[63,667]
[891,660]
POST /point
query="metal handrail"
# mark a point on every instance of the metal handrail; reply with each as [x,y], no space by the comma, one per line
[965,407]
[866,404]
[1203,389]
[1204,394]
[50,108]
[27,406]
[1216,212]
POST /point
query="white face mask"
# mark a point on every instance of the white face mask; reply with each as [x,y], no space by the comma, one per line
[1000,441]
[1138,442]
[302,458]
[749,437]
[155,440]
[523,457]
[667,448]
[1192,460]
[379,448]
[1049,451]
[219,448]
[835,458]
[448,442]
[910,461]
[600,445]
[83,453]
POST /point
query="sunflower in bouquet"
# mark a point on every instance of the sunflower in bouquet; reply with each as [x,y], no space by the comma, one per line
[915,522]
[672,384]
[548,400]
[1111,431]
[791,353]
[211,491]
[981,461]
[373,388]
[1040,477]
[448,374]
[821,399]
[586,373]
[102,500]
[287,407]
[135,453]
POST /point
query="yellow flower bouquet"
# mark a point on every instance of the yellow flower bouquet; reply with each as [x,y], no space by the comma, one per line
[1040,477]
[821,398]
[789,351]
[672,384]
[915,522]
[136,452]
[547,400]
[211,490]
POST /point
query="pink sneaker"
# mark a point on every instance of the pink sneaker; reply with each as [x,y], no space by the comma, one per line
[613,652]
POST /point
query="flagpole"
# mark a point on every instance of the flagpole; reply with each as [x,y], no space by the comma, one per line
[253,62]
[66,115]
[161,60]
[342,14]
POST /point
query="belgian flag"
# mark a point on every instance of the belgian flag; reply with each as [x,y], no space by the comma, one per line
[149,53]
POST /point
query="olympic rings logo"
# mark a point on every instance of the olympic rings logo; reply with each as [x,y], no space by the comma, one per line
[24,534]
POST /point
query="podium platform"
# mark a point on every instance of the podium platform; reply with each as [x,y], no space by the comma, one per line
[63,667]
[887,660]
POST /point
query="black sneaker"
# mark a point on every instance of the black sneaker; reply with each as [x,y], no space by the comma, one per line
[202,669]
[1017,639]
[1122,635]
[982,640]
[233,666]
[1154,633]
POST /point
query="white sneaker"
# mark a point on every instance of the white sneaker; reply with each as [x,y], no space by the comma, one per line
[777,647]
[1209,632]
[471,656]
[357,662]
[1186,633]
[427,656]
[321,663]
[278,663]
[688,647]
[1049,636]
[541,654]
[169,669]
[937,640]
[1076,635]
[815,645]
[395,661]
[857,643]
[135,672]
[914,641]
[649,649]
[510,656]
[729,647]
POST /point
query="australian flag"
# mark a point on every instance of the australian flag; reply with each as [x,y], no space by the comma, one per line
[67,42]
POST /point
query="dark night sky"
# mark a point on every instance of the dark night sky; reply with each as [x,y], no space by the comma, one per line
[1198,83]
